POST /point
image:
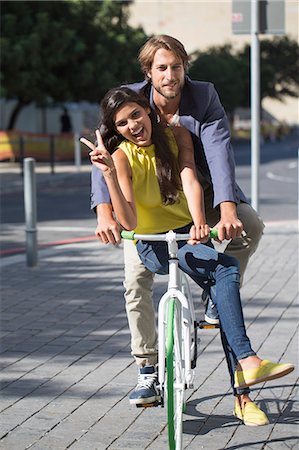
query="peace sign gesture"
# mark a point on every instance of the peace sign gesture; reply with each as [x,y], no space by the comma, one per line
[99,156]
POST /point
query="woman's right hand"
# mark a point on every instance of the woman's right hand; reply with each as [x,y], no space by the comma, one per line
[199,234]
[99,156]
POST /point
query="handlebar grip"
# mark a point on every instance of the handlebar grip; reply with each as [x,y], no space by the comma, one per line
[127,234]
[213,233]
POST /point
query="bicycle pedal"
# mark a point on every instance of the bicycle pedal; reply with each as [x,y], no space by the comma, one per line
[206,325]
[149,405]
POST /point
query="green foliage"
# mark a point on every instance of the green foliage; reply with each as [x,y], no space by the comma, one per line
[230,71]
[66,51]
[74,50]
[220,66]
[279,67]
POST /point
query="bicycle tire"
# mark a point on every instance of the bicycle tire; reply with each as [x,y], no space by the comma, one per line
[174,376]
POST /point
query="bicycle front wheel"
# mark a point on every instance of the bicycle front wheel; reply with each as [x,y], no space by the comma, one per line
[174,375]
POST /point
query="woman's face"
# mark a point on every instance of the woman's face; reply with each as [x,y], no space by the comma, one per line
[133,123]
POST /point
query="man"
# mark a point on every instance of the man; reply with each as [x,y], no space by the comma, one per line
[180,101]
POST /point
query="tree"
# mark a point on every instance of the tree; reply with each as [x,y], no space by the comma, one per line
[230,71]
[222,67]
[65,51]
[279,69]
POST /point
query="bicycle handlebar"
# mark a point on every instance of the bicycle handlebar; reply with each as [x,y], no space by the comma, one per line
[131,235]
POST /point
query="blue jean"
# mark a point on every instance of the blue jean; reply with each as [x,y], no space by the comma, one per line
[216,273]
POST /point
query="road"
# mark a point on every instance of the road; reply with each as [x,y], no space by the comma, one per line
[63,203]
[278,178]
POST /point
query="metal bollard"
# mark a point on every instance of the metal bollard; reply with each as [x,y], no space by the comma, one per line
[30,211]
[77,151]
[52,153]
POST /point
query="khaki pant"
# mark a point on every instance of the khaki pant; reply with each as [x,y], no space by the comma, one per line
[139,281]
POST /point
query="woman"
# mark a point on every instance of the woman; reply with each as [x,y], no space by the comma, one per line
[154,188]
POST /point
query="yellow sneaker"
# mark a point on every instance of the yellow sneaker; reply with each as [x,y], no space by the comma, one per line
[251,415]
[266,372]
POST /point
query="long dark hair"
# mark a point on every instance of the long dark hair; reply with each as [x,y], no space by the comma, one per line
[166,162]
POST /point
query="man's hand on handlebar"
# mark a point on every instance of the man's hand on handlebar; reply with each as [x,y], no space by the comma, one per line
[107,230]
[229,226]
[229,229]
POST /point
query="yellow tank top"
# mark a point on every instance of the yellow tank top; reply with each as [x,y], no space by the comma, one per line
[152,216]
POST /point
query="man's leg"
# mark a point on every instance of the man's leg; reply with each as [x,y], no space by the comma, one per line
[244,247]
[140,309]
[241,248]
[141,317]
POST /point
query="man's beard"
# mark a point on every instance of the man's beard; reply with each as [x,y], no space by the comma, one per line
[170,95]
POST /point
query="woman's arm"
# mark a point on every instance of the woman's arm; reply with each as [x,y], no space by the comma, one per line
[121,191]
[191,186]
[118,177]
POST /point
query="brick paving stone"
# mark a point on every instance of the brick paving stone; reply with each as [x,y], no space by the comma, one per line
[67,369]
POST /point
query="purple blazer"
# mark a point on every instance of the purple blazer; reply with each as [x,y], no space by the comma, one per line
[203,115]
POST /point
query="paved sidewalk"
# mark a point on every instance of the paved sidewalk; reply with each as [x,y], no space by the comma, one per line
[12,179]
[66,364]
[57,220]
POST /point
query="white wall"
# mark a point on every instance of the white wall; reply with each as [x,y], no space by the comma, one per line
[36,120]
[200,24]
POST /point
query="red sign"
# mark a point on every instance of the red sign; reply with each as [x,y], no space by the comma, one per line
[237,17]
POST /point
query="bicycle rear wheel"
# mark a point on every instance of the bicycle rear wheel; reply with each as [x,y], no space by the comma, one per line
[174,375]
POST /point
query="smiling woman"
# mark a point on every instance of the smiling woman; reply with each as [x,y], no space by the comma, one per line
[127,115]
[133,123]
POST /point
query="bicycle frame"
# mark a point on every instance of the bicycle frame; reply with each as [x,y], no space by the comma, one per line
[176,317]
[187,318]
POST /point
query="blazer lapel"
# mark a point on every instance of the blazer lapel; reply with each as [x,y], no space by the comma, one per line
[187,111]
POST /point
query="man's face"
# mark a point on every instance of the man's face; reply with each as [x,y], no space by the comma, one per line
[167,74]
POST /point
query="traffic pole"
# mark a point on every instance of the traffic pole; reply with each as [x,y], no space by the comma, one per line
[255,103]
[30,211]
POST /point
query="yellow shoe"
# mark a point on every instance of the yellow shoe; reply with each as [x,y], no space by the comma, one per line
[266,372]
[251,415]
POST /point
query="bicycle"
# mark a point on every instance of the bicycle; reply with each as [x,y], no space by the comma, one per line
[177,336]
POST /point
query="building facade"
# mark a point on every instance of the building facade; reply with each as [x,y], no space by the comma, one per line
[201,24]
[198,24]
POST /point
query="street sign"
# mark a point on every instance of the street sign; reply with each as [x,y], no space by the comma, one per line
[271,17]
